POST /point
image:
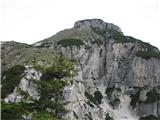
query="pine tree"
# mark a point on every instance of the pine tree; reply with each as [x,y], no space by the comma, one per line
[50,106]
[51,86]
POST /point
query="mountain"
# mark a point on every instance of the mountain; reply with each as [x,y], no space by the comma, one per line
[118,76]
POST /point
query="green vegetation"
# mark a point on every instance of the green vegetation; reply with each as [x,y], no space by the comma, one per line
[114,99]
[27,56]
[146,54]
[51,90]
[70,42]
[118,37]
[115,102]
[11,79]
[147,51]
[108,117]
[15,45]
[110,90]
[152,96]
[99,32]
[14,111]
[98,96]
[44,116]
[96,99]
[52,82]
[135,99]
[90,97]
[149,117]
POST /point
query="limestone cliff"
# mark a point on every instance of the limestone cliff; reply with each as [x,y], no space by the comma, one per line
[118,76]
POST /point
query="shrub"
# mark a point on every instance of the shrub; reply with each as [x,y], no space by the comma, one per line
[100,32]
[147,54]
[152,96]
[118,37]
[50,88]
[90,97]
[149,117]
[52,83]
[11,79]
[115,102]
[135,99]
[14,111]
[96,99]
[98,96]
[70,42]
[147,50]
[109,90]
[44,116]
[150,51]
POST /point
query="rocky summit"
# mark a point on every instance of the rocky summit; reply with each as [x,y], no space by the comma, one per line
[118,76]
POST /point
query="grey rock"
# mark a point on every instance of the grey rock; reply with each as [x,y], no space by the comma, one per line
[96,23]
[100,66]
[149,109]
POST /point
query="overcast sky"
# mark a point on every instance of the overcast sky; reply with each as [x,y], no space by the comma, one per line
[32,20]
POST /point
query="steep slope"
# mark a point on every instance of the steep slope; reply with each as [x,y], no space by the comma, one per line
[118,76]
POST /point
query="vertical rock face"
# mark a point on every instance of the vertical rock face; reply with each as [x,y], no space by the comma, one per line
[114,80]
[111,64]
[25,85]
[106,66]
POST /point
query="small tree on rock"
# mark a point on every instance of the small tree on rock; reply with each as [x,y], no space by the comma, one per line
[52,83]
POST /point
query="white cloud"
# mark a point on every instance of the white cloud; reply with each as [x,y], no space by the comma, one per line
[33,20]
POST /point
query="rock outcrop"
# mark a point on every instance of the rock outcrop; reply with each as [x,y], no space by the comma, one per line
[117,74]
[96,23]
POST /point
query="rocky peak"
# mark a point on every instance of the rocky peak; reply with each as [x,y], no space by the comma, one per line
[118,76]
[96,23]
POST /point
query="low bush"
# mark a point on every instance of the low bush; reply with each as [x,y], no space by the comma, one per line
[70,42]
[11,79]
[90,97]
[96,99]
[14,111]
[98,96]
[147,54]
[149,117]
[135,99]
[152,96]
